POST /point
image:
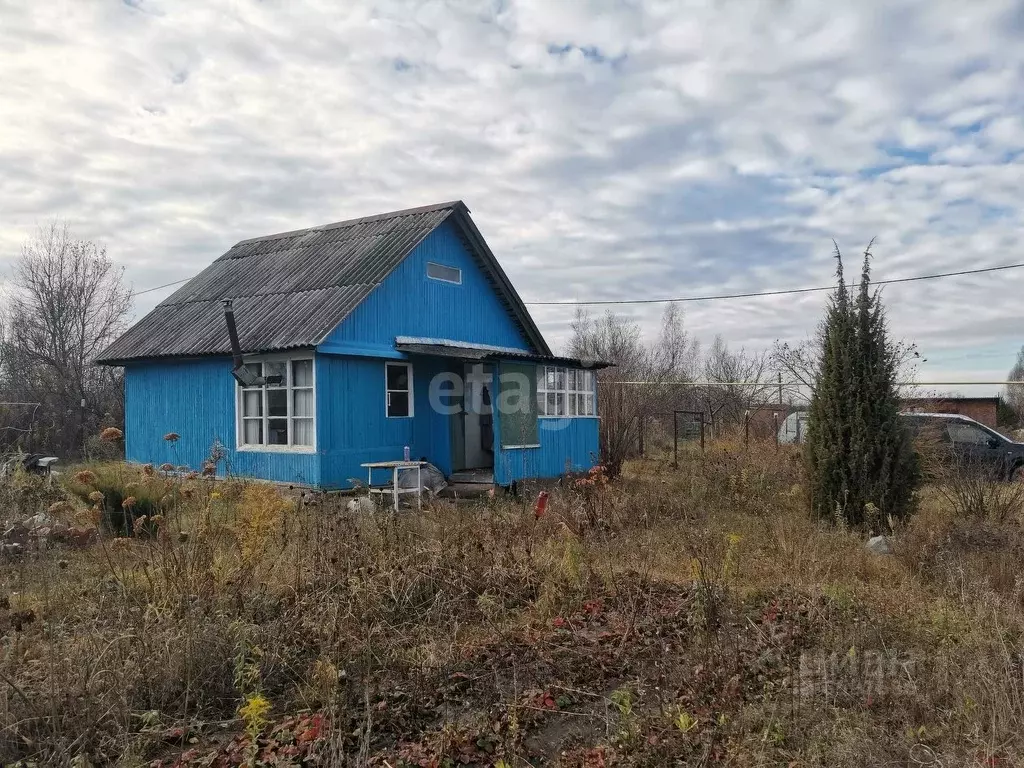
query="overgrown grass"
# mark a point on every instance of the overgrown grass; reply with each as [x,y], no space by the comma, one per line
[692,615]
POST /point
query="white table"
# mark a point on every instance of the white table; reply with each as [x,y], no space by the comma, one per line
[394,489]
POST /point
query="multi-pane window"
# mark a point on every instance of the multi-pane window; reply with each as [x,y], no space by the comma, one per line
[564,391]
[398,389]
[581,392]
[280,412]
[550,390]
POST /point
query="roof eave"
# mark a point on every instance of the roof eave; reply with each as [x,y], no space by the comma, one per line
[487,353]
[116,362]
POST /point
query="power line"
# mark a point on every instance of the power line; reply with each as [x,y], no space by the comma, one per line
[785,292]
[714,297]
[158,287]
[774,384]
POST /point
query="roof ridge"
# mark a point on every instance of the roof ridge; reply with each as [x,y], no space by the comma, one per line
[453,204]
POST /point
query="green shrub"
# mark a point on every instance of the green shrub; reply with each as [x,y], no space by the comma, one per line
[861,464]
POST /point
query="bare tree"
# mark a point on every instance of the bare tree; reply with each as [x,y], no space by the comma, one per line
[734,383]
[1015,392]
[798,364]
[645,377]
[67,302]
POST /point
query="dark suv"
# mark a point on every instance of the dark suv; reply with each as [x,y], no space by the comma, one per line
[971,441]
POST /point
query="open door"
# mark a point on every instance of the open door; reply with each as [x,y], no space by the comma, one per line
[478,417]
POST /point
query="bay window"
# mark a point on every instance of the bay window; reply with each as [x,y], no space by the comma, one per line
[281,413]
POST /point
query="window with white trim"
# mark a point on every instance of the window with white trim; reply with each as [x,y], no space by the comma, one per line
[550,390]
[444,273]
[580,392]
[282,412]
[398,389]
[564,391]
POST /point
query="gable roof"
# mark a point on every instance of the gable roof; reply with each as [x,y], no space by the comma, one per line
[292,289]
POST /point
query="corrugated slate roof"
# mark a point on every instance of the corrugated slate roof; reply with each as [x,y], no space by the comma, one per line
[292,289]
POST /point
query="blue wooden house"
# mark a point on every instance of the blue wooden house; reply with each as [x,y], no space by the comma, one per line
[356,340]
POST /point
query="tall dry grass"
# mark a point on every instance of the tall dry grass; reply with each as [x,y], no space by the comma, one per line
[695,614]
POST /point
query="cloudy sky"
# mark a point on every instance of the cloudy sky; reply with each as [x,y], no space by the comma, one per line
[608,149]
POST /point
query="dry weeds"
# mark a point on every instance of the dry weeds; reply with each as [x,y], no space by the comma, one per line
[689,616]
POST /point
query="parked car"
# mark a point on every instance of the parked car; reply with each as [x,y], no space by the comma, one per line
[971,441]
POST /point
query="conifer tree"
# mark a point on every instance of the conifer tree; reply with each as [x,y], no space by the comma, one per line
[861,465]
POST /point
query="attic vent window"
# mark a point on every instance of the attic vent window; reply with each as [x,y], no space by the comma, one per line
[444,273]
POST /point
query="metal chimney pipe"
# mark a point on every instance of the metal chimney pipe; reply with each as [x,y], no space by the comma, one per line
[236,348]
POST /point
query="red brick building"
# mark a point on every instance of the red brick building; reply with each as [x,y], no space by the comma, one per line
[983,409]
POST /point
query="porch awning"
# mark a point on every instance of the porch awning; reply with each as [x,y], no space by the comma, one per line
[461,350]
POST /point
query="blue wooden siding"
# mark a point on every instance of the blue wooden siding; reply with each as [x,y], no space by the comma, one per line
[353,425]
[408,303]
[196,400]
[566,445]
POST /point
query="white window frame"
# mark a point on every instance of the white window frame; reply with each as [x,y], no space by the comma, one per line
[409,391]
[570,390]
[543,390]
[290,390]
[444,279]
[577,391]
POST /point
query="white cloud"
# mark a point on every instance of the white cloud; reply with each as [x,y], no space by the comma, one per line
[607,149]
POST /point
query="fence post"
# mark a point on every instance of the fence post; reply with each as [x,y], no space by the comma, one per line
[775,418]
[746,427]
[675,439]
